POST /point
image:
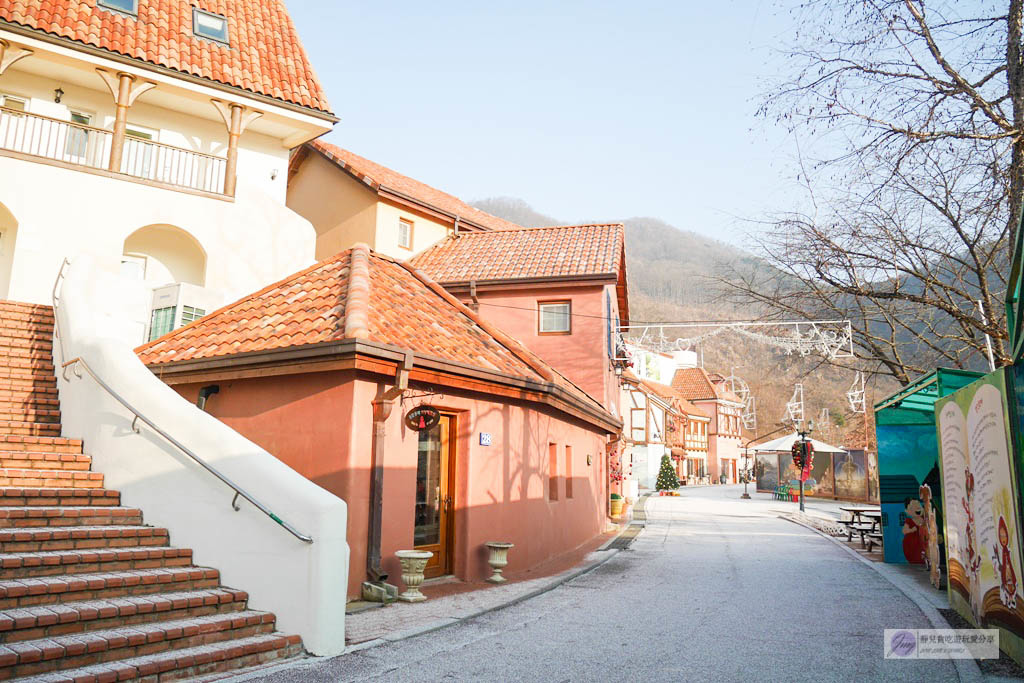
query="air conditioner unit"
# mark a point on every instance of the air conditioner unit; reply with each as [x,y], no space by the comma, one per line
[179,304]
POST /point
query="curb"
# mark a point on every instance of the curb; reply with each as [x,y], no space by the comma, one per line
[429,627]
[967,669]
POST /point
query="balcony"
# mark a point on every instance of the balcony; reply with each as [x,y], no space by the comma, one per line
[78,145]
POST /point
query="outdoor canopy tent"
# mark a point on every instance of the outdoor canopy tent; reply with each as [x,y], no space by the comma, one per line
[837,473]
[785,443]
[908,456]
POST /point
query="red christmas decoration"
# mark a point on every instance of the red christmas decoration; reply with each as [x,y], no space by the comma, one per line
[803,458]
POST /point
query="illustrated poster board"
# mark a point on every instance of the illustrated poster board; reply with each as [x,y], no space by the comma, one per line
[982,533]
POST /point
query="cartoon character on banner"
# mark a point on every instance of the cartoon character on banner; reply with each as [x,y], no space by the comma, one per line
[915,531]
[1001,558]
[932,560]
[973,559]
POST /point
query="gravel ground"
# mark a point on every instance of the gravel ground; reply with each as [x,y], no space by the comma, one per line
[715,588]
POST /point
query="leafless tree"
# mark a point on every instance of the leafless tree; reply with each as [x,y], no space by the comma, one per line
[914,110]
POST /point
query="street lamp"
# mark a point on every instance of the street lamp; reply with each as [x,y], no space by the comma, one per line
[803,448]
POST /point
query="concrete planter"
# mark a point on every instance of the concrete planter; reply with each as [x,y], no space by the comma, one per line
[413,564]
[498,559]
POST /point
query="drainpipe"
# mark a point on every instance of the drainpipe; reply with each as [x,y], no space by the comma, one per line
[382,407]
[472,295]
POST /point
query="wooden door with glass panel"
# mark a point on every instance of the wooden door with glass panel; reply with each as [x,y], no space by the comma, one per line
[435,495]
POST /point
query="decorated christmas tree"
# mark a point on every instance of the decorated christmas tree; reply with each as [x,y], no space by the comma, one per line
[667,479]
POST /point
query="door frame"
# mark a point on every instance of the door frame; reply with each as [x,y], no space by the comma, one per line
[449,454]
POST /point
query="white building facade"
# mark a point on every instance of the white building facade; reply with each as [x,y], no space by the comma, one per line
[161,175]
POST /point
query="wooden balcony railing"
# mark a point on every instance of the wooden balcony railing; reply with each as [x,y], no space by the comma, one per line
[82,145]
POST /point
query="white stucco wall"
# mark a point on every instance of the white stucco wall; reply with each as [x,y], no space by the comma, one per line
[249,243]
[304,584]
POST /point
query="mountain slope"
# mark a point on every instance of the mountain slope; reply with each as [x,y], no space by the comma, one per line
[672,277]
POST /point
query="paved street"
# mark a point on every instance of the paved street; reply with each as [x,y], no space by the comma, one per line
[715,588]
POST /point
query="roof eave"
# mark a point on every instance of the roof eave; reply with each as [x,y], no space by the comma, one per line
[303,356]
[47,37]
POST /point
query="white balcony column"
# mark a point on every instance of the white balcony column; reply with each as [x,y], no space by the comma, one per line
[236,118]
[9,54]
[125,90]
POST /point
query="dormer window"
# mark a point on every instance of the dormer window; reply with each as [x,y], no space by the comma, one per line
[210,25]
[127,6]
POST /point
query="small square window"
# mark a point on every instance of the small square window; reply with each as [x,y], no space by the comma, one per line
[161,322]
[191,314]
[404,233]
[15,103]
[554,317]
[126,6]
[210,25]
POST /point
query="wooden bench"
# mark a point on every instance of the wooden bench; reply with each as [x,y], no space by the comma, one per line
[873,538]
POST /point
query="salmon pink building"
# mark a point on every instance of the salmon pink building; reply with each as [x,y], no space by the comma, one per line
[329,369]
[559,290]
[708,391]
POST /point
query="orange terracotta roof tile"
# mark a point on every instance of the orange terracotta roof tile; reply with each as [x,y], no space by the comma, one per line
[696,384]
[672,394]
[264,56]
[356,294]
[381,177]
[551,252]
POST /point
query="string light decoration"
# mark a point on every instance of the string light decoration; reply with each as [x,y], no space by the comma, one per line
[856,395]
[829,338]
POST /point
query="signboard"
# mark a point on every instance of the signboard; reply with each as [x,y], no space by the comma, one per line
[422,417]
[981,502]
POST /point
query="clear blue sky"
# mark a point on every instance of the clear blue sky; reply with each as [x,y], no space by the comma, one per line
[586,110]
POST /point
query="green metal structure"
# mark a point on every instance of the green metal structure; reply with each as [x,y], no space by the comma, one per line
[1014,303]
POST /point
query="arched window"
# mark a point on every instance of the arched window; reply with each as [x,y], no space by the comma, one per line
[162,255]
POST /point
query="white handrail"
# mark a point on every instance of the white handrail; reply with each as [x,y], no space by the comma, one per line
[76,362]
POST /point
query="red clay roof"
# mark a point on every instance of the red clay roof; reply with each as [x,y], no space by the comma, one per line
[383,178]
[671,394]
[356,294]
[696,385]
[558,251]
[264,55]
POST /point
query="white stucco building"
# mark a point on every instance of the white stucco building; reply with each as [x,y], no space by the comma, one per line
[157,145]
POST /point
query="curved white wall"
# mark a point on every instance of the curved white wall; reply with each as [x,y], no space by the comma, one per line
[303,584]
[172,255]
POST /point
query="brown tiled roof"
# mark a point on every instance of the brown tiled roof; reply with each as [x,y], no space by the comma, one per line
[356,294]
[383,178]
[552,252]
[671,394]
[695,384]
[264,55]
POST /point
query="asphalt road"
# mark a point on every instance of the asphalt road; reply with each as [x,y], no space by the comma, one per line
[714,589]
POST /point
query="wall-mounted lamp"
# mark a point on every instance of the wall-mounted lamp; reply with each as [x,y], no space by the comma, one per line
[618,370]
[57,94]
[273,174]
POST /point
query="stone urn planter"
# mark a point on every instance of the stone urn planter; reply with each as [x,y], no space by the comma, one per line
[413,564]
[498,559]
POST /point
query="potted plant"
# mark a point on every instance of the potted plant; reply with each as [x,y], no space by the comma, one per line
[616,505]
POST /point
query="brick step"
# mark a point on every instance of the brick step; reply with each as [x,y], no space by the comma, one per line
[187,663]
[47,516]
[25,460]
[24,351]
[30,414]
[25,307]
[22,428]
[13,343]
[29,400]
[14,496]
[54,479]
[66,594]
[83,649]
[41,325]
[40,444]
[18,387]
[31,370]
[64,562]
[137,603]
[50,538]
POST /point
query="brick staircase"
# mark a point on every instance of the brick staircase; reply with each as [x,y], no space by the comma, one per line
[87,591]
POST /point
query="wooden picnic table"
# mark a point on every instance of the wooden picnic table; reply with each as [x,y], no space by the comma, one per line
[866,522]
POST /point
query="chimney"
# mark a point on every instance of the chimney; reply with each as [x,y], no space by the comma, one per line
[685,359]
